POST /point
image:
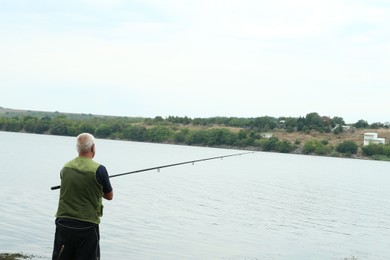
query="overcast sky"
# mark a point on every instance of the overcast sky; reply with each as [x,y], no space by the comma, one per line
[197,58]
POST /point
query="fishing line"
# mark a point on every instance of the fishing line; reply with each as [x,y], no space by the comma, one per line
[158,168]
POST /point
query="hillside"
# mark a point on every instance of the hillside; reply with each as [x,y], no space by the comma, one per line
[355,135]
[310,135]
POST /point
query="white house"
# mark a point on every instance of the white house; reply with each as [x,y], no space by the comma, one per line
[373,138]
[266,135]
[345,127]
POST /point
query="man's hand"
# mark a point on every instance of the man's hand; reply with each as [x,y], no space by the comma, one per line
[108,196]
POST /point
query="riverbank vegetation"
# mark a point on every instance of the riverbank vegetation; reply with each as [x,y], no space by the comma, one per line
[312,134]
[14,256]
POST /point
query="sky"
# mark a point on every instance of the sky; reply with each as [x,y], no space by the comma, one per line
[197,58]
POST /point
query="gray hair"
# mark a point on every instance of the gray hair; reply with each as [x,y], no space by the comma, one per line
[85,141]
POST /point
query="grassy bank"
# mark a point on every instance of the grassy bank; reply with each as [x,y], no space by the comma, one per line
[14,256]
[313,134]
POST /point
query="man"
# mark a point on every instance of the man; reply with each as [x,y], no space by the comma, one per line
[83,185]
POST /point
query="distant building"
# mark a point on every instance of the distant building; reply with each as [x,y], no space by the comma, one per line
[266,135]
[373,138]
[347,127]
[344,127]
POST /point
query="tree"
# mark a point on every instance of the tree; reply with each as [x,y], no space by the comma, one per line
[347,147]
[265,123]
[180,136]
[244,139]
[62,126]
[316,147]
[386,150]
[87,127]
[135,133]
[179,120]
[220,136]
[30,124]
[314,121]
[284,146]
[337,121]
[373,149]
[309,147]
[197,137]
[43,125]
[376,125]
[301,123]
[12,124]
[269,144]
[103,131]
[158,134]
[338,129]
[361,124]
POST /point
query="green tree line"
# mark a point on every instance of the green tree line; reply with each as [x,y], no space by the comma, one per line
[151,130]
[212,132]
[312,121]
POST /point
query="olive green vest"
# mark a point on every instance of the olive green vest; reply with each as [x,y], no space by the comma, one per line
[81,194]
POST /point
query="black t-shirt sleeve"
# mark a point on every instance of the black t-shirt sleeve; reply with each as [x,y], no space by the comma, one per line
[103,178]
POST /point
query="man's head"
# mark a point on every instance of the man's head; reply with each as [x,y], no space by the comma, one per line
[86,145]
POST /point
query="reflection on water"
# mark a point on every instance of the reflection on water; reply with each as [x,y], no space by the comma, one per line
[256,206]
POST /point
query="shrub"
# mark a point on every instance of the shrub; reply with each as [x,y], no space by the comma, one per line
[316,147]
[371,149]
[347,147]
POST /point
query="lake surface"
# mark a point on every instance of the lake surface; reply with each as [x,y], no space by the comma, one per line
[255,206]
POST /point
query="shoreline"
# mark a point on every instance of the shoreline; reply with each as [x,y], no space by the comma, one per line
[16,256]
[297,151]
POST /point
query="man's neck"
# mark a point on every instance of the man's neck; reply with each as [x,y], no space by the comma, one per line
[86,155]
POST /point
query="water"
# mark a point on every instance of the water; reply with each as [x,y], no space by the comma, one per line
[256,206]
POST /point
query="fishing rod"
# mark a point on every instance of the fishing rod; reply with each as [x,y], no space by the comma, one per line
[169,165]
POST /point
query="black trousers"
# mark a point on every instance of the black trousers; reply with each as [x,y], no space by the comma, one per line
[76,240]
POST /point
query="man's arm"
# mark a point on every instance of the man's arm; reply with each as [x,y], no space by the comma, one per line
[103,179]
[109,195]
